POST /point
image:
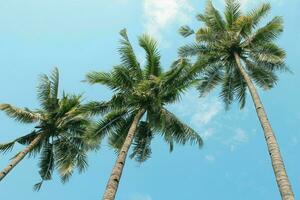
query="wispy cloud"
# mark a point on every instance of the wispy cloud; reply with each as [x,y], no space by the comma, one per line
[240,136]
[199,113]
[159,14]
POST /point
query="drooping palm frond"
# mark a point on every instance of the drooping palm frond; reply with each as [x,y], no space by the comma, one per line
[209,79]
[172,127]
[46,164]
[23,115]
[142,143]
[118,135]
[70,154]
[7,147]
[107,124]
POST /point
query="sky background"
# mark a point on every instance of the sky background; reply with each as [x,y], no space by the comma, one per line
[81,36]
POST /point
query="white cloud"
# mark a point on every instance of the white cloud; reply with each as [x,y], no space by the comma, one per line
[158,14]
[199,113]
[239,137]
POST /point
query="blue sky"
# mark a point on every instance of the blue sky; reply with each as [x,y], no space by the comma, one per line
[81,36]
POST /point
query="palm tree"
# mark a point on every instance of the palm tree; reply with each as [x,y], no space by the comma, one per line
[137,110]
[235,53]
[58,135]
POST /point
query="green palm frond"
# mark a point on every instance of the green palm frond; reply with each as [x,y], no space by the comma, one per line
[173,128]
[22,115]
[107,124]
[44,91]
[46,163]
[257,14]
[209,79]
[152,55]
[128,57]
[232,12]
[95,107]
[118,135]
[120,78]
[7,147]
[267,33]
[141,145]
[227,90]
[54,82]
[192,50]
[240,88]
[212,18]
[186,31]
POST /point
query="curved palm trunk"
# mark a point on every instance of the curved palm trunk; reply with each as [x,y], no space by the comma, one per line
[282,179]
[20,156]
[113,182]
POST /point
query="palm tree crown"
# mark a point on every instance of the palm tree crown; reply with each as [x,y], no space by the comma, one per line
[150,89]
[235,53]
[221,38]
[60,123]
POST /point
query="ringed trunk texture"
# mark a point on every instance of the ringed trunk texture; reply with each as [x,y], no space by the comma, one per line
[113,182]
[20,156]
[282,179]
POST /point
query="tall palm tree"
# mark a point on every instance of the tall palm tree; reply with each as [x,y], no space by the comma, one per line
[57,136]
[137,110]
[235,53]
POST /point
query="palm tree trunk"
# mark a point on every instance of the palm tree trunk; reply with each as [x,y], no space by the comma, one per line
[113,182]
[282,179]
[20,156]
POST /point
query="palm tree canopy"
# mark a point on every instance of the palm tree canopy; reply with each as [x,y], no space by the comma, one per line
[62,123]
[148,88]
[221,37]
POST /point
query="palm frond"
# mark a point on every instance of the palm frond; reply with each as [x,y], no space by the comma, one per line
[44,91]
[7,147]
[257,14]
[192,50]
[95,107]
[210,77]
[173,128]
[22,115]
[227,90]
[212,18]
[186,31]
[142,141]
[128,57]
[152,55]
[267,33]
[118,135]
[232,12]
[46,163]
[54,83]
